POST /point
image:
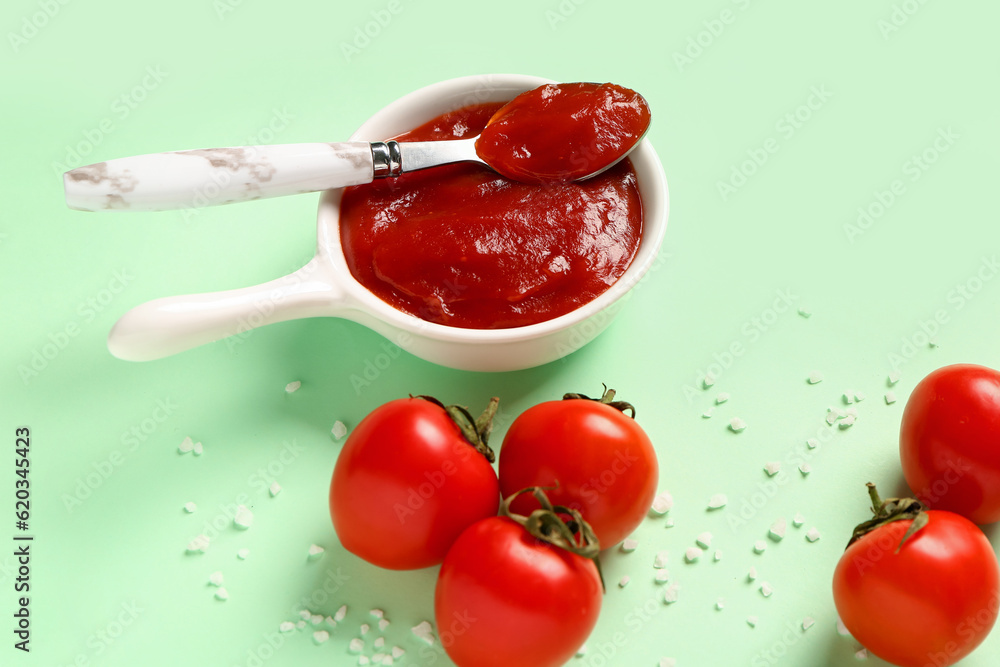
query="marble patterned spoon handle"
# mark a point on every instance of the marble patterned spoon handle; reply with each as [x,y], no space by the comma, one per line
[206,177]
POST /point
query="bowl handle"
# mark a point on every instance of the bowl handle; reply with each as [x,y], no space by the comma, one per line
[170,325]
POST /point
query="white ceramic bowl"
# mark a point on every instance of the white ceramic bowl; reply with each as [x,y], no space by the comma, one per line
[325,287]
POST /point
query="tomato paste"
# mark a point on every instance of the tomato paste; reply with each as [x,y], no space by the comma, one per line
[462,245]
[563,131]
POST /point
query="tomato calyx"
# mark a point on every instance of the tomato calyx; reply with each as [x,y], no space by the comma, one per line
[889,510]
[607,398]
[476,430]
[548,525]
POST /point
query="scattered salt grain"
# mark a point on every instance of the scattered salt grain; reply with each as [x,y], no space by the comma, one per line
[376,613]
[186,445]
[668,662]
[300,624]
[704,540]
[831,417]
[847,421]
[808,622]
[661,559]
[286,626]
[215,578]
[752,573]
[759,546]
[398,652]
[890,397]
[669,523]
[341,613]
[893,378]
[670,595]
[274,489]
[357,645]
[383,624]
[737,425]
[933,342]
[629,545]
[222,593]
[692,554]
[805,468]
[662,576]
[198,544]
[798,520]
[848,397]
[752,621]
[379,642]
[717,501]
[424,632]
[378,658]
[364,628]
[721,398]
[305,614]
[812,535]
[766,589]
[815,377]
[812,443]
[582,651]
[842,629]
[315,551]
[772,468]
[663,502]
[190,508]
[862,654]
[293,387]
[316,619]
[718,555]
[720,604]
[364,660]
[243,518]
[708,381]
[623,582]
[803,312]
[320,636]
[242,554]
[707,414]
[339,430]
[859,396]
[329,621]
[777,530]
[198,449]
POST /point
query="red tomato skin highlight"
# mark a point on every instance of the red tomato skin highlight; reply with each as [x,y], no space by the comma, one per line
[504,598]
[604,463]
[949,441]
[406,484]
[930,604]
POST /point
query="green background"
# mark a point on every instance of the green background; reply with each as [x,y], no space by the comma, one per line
[111,584]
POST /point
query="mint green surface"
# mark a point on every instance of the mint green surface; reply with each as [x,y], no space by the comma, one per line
[890,83]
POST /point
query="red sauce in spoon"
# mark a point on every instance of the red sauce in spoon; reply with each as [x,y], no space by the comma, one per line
[563,131]
[463,246]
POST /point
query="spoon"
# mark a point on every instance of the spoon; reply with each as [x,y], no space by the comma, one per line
[557,132]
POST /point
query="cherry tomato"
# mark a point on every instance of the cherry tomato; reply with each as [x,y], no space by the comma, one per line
[407,483]
[505,597]
[930,603]
[598,459]
[949,441]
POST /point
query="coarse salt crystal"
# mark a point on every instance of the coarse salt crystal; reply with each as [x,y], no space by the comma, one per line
[752,621]
[329,621]
[759,546]
[198,544]
[244,517]
[339,430]
[661,559]
[890,397]
[320,636]
[316,619]
[379,642]
[805,468]
[862,654]
[383,623]
[190,508]
[663,502]
[629,545]
[812,535]
[242,554]
[315,551]
[831,418]
[198,449]
[737,425]
[804,312]
[582,651]
[847,421]
[752,573]
[692,554]
[222,593]
[670,595]
[708,381]
[707,414]
[933,342]
[377,658]
[668,662]
[720,604]
[186,445]
[376,613]
[356,645]
[215,578]
[662,576]
[772,468]
[721,398]
[808,622]
[669,523]
[812,443]
[364,628]
[341,613]
[718,554]
[777,530]
[300,624]
[305,614]
[717,501]
[293,387]
[623,582]
[364,660]
[766,589]
[815,377]
[286,626]
[842,629]
[274,489]
[398,651]
[798,520]
[424,632]
[704,540]
[848,397]
[859,396]
[893,377]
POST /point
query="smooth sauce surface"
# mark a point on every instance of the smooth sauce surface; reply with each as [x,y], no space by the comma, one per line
[463,246]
